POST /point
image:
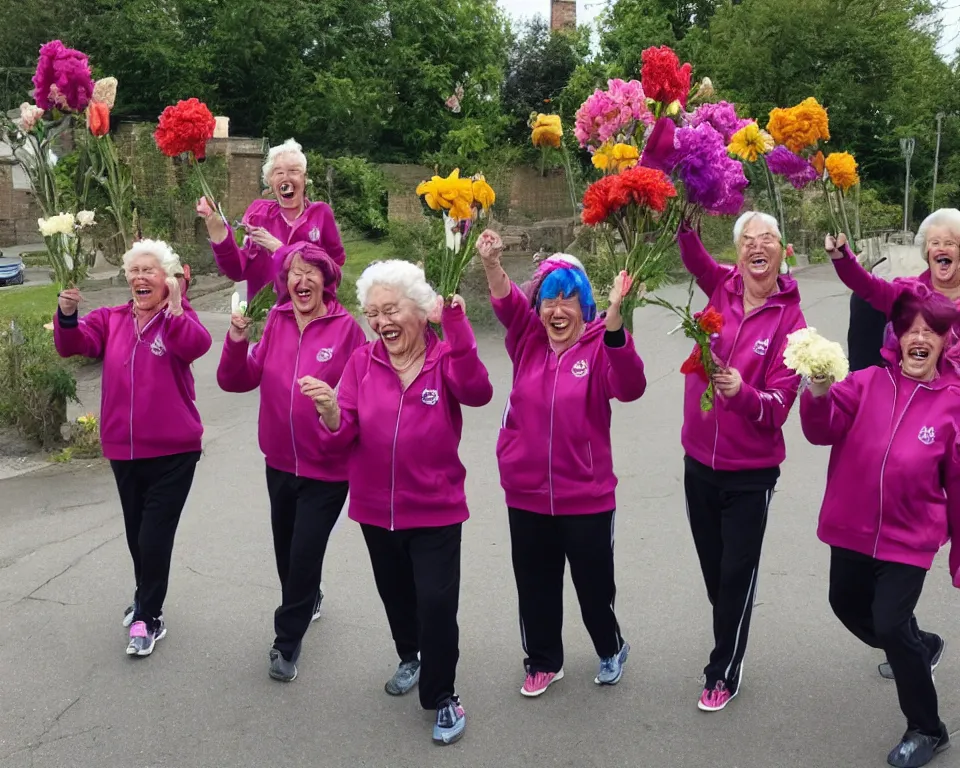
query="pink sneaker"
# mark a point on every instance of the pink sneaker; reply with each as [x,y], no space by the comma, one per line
[716,698]
[538,682]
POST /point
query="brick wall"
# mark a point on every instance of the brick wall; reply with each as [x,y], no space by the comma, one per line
[563,14]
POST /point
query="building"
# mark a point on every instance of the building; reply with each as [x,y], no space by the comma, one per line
[563,14]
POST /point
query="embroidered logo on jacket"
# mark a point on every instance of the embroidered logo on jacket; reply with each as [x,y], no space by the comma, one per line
[761,346]
[927,435]
[430,397]
[580,369]
[325,355]
[314,235]
[157,347]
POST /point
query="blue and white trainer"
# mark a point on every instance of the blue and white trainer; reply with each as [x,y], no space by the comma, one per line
[611,668]
[451,721]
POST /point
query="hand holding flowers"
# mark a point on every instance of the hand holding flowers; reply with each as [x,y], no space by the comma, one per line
[832,245]
[818,360]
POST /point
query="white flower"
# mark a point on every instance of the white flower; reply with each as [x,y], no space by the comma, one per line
[237,307]
[811,355]
[105,90]
[705,91]
[61,224]
[86,219]
[30,115]
[68,261]
[451,230]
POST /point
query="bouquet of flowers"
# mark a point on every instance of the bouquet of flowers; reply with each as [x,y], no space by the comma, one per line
[258,307]
[61,234]
[814,357]
[461,203]
[185,128]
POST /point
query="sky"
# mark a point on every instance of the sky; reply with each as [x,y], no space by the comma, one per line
[587,11]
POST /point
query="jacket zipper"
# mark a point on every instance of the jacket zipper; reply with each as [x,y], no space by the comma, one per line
[138,334]
[393,457]
[553,401]
[293,387]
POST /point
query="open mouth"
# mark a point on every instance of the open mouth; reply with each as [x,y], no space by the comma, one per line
[286,190]
[303,294]
[560,325]
[918,353]
[759,262]
[944,262]
[391,335]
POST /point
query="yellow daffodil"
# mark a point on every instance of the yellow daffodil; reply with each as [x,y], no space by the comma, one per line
[842,169]
[547,131]
[451,194]
[483,193]
[614,158]
[750,142]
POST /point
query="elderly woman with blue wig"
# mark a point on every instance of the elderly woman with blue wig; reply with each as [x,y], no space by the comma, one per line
[554,453]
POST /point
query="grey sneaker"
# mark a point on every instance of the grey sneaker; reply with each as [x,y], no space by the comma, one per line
[281,669]
[406,676]
[886,671]
[611,669]
[143,640]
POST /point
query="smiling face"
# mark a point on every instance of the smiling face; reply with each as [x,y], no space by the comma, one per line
[759,252]
[943,256]
[563,319]
[920,348]
[395,319]
[147,282]
[287,180]
[305,284]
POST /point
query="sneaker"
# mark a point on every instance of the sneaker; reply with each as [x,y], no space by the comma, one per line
[716,698]
[281,669]
[916,749]
[142,639]
[611,669]
[538,682]
[406,676]
[316,608]
[451,721]
[886,671]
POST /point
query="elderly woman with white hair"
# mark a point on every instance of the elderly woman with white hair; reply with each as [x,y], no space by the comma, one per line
[269,224]
[734,450]
[398,406]
[149,425]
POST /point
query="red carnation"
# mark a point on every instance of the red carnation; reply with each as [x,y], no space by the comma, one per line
[646,187]
[710,320]
[185,127]
[662,77]
[597,203]
[694,364]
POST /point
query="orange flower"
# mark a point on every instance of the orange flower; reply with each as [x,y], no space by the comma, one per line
[818,163]
[843,170]
[801,126]
[98,118]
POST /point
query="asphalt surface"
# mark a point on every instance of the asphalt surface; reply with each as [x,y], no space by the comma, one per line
[69,696]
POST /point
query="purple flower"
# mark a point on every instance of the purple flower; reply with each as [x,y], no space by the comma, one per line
[711,178]
[722,116]
[795,169]
[659,151]
[62,79]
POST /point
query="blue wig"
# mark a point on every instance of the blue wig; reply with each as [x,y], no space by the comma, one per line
[566,283]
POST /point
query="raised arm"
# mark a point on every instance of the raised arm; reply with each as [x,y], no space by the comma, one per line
[700,264]
[251,262]
[827,410]
[463,373]
[74,336]
[183,333]
[623,374]
[241,367]
[876,291]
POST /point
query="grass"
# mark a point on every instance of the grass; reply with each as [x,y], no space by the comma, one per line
[27,300]
[360,253]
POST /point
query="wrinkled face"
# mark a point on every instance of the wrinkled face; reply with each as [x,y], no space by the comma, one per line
[759,252]
[287,180]
[147,282]
[563,319]
[305,284]
[395,319]
[943,255]
[920,348]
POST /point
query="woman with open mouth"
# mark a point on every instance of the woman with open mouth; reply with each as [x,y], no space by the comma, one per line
[398,409]
[149,425]
[307,339]
[269,224]
[734,450]
[893,499]
[555,456]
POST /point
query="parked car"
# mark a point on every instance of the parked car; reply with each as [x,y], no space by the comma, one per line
[11,270]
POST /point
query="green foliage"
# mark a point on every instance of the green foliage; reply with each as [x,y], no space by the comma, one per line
[415,241]
[355,188]
[35,383]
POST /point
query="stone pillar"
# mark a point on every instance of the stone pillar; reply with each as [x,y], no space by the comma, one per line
[563,15]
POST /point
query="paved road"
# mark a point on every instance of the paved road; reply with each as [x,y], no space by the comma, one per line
[70,697]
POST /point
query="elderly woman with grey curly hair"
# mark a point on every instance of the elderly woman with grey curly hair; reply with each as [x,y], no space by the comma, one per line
[288,218]
[398,408]
[147,346]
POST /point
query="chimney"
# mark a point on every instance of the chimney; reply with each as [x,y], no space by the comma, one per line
[563,14]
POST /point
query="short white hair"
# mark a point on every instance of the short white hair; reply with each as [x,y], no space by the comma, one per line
[567,259]
[749,216]
[289,147]
[942,217]
[403,276]
[169,261]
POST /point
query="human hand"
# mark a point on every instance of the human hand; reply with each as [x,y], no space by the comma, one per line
[264,239]
[490,248]
[239,327]
[727,382]
[174,297]
[69,300]
[832,245]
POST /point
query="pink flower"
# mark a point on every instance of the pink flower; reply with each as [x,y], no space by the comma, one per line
[30,115]
[613,113]
[62,79]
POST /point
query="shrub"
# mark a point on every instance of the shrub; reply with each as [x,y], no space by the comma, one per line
[35,383]
[354,187]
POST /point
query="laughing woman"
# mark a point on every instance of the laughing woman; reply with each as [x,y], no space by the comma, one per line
[270,224]
[306,342]
[892,500]
[149,424]
[734,451]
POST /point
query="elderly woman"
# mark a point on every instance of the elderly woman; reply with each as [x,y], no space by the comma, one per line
[892,500]
[270,224]
[734,451]
[398,407]
[149,425]
[556,463]
[306,342]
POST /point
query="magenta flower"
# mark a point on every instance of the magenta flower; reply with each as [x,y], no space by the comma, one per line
[795,169]
[722,116]
[63,79]
[613,113]
[711,178]
[660,150]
